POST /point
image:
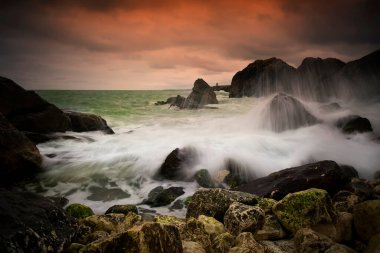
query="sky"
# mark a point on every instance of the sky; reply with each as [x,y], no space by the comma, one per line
[168,44]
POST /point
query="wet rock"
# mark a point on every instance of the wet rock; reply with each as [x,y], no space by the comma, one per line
[204,179]
[105,194]
[304,209]
[74,248]
[215,202]
[177,205]
[272,230]
[211,225]
[167,219]
[374,244]
[61,201]
[165,197]
[195,231]
[87,122]
[367,219]
[266,204]
[340,248]
[327,175]
[192,247]
[223,243]
[285,112]
[243,218]
[280,246]
[202,94]
[361,188]
[124,209]
[246,243]
[147,237]
[307,240]
[354,124]
[32,223]
[238,174]
[177,164]
[331,107]
[19,157]
[178,101]
[79,211]
[345,201]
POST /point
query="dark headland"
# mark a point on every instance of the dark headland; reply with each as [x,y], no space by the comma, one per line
[320,206]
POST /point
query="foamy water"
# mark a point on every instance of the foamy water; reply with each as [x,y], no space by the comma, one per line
[235,130]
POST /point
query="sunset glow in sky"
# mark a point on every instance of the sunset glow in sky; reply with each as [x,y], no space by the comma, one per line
[137,44]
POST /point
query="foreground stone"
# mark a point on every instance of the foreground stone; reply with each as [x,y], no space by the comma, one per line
[245,243]
[327,175]
[215,202]
[304,209]
[19,157]
[79,211]
[31,223]
[279,246]
[367,219]
[148,237]
[192,247]
[307,240]
[223,243]
[272,230]
[243,218]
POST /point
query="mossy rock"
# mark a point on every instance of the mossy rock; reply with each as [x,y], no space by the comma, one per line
[212,226]
[187,201]
[204,179]
[79,211]
[223,242]
[304,209]
[172,220]
[266,204]
[124,209]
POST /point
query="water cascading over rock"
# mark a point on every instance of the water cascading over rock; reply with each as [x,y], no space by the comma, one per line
[284,112]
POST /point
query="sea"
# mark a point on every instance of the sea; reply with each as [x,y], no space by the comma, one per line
[102,170]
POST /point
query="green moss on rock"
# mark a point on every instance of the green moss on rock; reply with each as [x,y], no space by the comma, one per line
[79,211]
[304,209]
[124,209]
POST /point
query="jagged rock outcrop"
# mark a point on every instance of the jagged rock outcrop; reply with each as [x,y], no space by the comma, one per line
[87,122]
[19,157]
[327,175]
[263,77]
[202,94]
[285,112]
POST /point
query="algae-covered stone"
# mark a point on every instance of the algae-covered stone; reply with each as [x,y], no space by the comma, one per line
[246,243]
[124,209]
[305,208]
[144,238]
[215,202]
[195,231]
[187,201]
[167,219]
[74,248]
[212,226]
[223,242]
[243,218]
[192,247]
[272,230]
[111,223]
[79,211]
[204,179]
[266,204]
[307,240]
[367,219]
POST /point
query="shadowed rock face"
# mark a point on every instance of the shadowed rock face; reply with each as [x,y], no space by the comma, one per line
[86,122]
[327,175]
[284,112]
[263,77]
[202,94]
[19,157]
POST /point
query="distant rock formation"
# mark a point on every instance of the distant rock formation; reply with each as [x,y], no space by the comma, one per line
[316,78]
[285,112]
[202,94]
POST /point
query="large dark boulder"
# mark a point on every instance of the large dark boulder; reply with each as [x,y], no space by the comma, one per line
[178,101]
[327,175]
[32,223]
[354,124]
[178,164]
[202,94]
[29,112]
[285,112]
[86,122]
[19,157]
[263,77]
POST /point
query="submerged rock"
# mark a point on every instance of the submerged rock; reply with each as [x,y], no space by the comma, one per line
[285,112]
[105,194]
[243,218]
[327,175]
[86,122]
[215,202]
[79,211]
[177,164]
[304,209]
[32,223]
[202,94]
[124,209]
[19,157]
[354,124]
